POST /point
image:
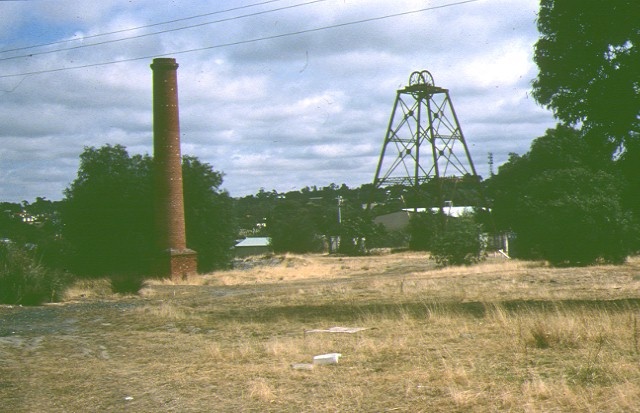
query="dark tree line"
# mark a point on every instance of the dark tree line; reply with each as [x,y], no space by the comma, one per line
[108,214]
[309,219]
[561,207]
[573,198]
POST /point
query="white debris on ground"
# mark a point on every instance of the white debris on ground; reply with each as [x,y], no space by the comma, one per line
[330,358]
[302,366]
[347,330]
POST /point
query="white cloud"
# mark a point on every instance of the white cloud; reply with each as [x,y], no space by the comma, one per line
[503,66]
[310,109]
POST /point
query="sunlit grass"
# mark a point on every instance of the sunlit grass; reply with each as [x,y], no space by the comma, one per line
[500,336]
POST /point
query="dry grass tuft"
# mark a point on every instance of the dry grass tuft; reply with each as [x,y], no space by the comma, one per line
[164,311]
[88,289]
[195,279]
[260,390]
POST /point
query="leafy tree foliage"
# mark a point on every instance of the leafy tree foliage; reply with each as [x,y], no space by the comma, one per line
[252,211]
[589,56]
[464,190]
[450,240]
[358,234]
[458,242]
[108,213]
[292,228]
[11,225]
[574,216]
[306,220]
[561,207]
[42,235]
[628,164]
[423,230]
[209,219]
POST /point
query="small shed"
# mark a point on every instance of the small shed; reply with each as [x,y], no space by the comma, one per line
[394,221]
[253,246]
[399,220]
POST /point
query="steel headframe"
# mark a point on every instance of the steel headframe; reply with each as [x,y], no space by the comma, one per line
[422,115]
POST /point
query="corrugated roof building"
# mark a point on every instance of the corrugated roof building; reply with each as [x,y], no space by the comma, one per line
[253,246]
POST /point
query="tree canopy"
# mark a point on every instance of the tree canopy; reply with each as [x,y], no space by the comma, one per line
[108,213]
[209,217]
[562,208]
[589,59]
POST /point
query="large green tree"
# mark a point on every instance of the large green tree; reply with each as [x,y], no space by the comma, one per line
[209,219]
[561,207]
[588,57]
[292,227]
[108,214]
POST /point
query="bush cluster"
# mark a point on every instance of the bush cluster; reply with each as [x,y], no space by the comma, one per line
[25,281]
[126,283]
[458,243]
[451,240]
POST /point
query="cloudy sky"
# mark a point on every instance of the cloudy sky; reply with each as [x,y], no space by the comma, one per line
[264,96]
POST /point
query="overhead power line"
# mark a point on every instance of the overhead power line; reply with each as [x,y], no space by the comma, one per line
[82,46]
[93,36]
[241,42]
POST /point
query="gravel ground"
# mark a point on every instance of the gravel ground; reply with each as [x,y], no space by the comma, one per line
[56,318]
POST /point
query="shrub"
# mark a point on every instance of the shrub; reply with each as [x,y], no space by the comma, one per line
[127,284]
[292,229]
[458,242]
[423,228]
[358,234]
[24,280]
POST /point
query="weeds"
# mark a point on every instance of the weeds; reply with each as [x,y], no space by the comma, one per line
[541,337]
[127,284]
[634,322]
[24,281]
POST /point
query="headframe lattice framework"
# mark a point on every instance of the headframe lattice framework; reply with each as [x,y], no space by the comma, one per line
[422,116]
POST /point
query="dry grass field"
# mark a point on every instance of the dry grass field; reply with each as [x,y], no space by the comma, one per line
[501,336]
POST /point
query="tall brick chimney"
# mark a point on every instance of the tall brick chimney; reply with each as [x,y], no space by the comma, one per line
[175,259]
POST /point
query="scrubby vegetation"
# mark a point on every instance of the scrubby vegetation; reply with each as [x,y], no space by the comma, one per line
[459,242]
[25,281]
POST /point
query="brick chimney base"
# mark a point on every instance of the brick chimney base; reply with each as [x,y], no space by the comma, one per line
[178,264]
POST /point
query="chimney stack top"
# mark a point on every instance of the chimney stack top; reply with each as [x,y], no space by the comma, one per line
[164,63]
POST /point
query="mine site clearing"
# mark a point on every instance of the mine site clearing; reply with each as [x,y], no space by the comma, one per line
[387,332]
